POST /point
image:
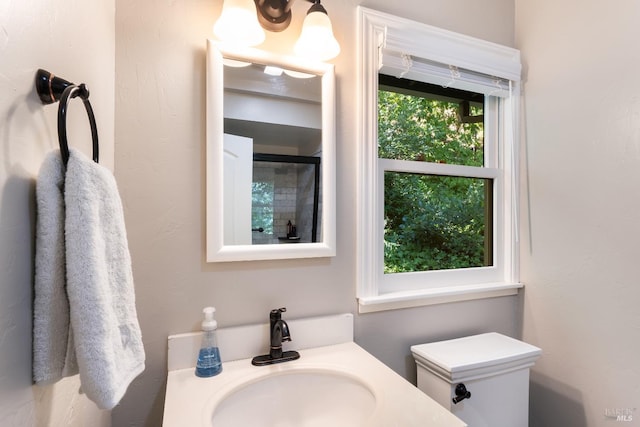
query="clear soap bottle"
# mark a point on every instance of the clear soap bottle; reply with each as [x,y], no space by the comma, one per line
[208,363]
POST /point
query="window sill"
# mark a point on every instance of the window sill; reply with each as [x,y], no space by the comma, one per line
[408,299]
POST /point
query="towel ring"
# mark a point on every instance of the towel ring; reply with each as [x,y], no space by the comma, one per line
[51,89]
[73,92]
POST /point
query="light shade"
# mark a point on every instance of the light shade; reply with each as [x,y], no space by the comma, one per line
[238,24]
[316,39]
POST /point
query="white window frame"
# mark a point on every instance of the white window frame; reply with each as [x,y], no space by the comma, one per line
[380,35]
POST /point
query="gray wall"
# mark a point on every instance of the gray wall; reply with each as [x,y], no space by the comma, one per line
[580,219]
[160,66]
[157,51]
[75,40]
[578,211]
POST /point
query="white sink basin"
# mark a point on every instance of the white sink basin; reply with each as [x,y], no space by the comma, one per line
[297,398]
[339,386]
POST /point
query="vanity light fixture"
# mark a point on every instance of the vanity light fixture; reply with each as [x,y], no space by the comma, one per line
[242,21]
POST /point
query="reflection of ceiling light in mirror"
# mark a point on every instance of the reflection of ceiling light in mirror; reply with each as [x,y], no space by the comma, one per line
[238,24]
[235,63]
[316,39]
[298,74]
[273,71]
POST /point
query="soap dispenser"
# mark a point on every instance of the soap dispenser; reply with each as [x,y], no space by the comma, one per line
[209,363]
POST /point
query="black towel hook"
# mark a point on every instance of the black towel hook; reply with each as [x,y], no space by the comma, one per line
[51,89]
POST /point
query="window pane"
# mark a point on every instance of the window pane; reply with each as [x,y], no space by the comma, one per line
[431,128]
[436,222]
[262,200]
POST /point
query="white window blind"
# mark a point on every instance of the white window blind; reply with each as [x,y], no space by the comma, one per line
[402,65]
[434,55]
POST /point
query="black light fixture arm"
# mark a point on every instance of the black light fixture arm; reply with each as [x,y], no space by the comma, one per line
[275,15]
[316,7]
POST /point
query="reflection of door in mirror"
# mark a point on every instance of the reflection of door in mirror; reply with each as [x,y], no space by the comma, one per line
[238,165]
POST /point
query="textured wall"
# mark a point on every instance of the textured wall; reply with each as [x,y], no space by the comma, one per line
[160,75]
[74,39]
[580,221]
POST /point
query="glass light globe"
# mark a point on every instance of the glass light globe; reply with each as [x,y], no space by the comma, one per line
[316,39]
[238,24]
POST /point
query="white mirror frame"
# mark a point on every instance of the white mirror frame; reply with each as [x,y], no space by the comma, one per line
[216,250]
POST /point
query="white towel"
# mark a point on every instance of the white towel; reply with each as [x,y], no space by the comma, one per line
[107,336]
[53,354]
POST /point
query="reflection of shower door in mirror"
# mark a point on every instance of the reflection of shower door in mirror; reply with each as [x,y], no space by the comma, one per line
[238,174]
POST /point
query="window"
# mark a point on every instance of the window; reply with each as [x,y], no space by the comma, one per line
[437,184]
[433,220]
[262,201]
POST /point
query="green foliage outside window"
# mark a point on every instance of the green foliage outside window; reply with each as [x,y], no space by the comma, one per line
[432,222]
[262,206]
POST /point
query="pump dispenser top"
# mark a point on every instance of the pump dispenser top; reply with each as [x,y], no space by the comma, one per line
[209,363]
[209,323]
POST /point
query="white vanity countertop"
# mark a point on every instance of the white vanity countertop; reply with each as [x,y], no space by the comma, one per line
[189,399]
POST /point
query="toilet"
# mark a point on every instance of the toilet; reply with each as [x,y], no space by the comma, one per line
[482,379]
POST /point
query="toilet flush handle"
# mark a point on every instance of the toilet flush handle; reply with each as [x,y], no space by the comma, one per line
[461,393]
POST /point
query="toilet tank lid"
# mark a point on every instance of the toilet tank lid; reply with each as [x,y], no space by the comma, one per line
[475,352]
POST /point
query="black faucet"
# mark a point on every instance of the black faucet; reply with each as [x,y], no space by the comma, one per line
[279,333]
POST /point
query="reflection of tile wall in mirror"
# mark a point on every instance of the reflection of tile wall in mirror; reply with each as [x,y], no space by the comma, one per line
[305,205]
[291,201]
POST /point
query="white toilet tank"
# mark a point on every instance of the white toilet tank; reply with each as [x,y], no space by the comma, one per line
[494,370]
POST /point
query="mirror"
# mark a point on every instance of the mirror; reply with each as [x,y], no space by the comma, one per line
[270,159]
